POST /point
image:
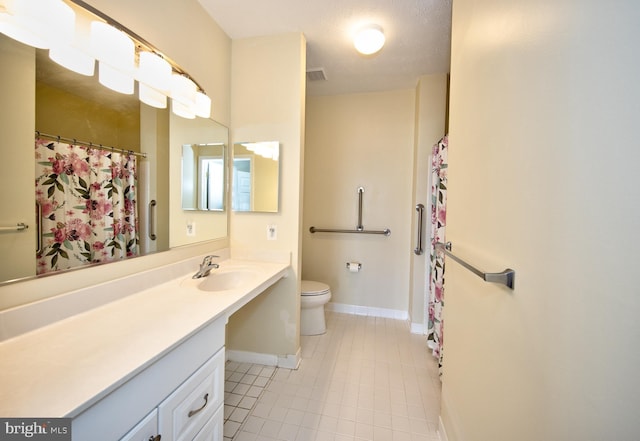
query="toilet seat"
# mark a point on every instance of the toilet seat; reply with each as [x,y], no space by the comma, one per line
[313,288]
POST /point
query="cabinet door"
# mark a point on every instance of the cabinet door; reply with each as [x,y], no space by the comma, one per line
[183,414]
[145,430]
[213,429]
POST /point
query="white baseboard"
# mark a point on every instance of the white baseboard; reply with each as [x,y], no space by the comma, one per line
[284,361]
[290,361]
[417,328]
[252,357]
[368,311]
[441,432]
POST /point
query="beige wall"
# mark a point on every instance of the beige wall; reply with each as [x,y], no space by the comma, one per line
[205,52]
[543,178]
[270,106]
[431,103]
[85,120]
[266,174]
[360,140]
[17,79]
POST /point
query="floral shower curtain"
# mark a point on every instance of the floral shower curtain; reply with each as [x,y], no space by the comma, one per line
[87,199]
[438,224]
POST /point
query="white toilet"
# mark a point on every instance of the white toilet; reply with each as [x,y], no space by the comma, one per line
[313,297]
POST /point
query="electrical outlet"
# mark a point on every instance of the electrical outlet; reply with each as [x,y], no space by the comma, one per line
[272,232]
[191,228]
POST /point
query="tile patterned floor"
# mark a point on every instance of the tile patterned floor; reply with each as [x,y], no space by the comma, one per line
[367,378]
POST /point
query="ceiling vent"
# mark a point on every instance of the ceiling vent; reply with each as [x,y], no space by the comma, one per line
[316,74]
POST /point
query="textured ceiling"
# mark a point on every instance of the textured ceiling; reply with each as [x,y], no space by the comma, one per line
[417,33]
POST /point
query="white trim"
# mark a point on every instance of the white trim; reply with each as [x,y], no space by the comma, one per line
[442,434]
[368,311]
[283,361]
[252,357]
[290,361]
[417,328]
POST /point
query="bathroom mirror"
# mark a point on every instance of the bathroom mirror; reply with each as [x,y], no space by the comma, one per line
[256,176]
[79,109]
[203,176]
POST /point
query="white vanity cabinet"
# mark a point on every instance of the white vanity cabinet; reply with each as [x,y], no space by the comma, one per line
[145,430]
[180,397]
[183,414]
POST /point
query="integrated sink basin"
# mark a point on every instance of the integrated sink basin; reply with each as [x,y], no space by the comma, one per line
[226,280]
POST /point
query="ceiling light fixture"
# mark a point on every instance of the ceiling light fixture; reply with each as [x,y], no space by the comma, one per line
[369,39]
[28,21]
[116,53]
[75,54]
[84,34]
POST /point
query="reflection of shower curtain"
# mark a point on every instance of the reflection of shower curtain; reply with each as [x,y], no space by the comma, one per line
[88,202]
[438,222]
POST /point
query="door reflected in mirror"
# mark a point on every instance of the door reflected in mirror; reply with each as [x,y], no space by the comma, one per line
[256,177]
[203,177]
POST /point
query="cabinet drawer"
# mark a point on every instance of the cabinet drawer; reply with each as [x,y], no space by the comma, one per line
[145,430]
[213,429]
[183,414]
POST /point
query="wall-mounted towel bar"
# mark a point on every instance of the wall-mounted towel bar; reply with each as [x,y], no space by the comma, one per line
[506,277]
[359,229]
[19,227]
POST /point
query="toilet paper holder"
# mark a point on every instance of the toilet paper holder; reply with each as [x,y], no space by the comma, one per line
[354,266]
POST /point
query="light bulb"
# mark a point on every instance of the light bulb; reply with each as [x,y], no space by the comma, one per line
[369,40]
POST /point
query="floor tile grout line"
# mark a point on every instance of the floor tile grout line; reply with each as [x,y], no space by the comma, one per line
[331,358]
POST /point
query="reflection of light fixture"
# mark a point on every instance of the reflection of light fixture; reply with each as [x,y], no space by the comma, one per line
[369,39]
[76,44]
[266,149]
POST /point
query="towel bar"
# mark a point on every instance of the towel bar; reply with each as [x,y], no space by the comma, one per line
[506,277]
[19,227]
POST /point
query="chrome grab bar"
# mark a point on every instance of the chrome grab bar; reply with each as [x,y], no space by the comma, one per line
[420,210]
[359,227]
[39,239]
[506,277]
[152,215]
[19,227]
[386,231]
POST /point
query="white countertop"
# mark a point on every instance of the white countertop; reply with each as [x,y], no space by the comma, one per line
[61,369]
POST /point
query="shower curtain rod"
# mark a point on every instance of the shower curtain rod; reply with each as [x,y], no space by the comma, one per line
[89,144]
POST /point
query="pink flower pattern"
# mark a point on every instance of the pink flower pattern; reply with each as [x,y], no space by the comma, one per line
[88,203]
[435,306]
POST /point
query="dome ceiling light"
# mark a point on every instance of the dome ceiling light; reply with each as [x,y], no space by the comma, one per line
[369,39]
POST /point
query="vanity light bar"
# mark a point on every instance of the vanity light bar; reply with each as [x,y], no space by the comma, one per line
[141,42]
[115,46]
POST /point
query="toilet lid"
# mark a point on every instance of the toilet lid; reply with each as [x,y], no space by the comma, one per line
[312,288]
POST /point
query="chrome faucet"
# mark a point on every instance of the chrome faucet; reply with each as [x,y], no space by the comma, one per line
[205,267]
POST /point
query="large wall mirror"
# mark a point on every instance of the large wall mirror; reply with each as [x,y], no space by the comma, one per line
[256,176]
[76,123]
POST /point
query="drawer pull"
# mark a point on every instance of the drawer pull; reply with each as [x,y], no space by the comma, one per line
[193,412]
[155,438]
